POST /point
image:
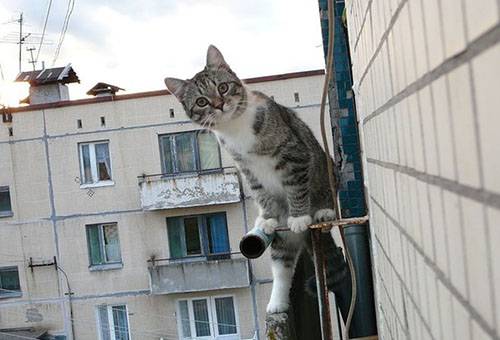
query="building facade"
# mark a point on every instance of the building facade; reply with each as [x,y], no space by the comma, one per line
[120,219]
[426,80]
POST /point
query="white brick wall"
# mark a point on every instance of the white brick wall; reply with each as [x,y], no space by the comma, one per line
[427,80]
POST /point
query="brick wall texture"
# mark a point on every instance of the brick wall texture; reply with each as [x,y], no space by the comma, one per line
[426,77]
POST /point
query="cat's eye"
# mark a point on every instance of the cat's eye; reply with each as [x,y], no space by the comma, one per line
[223,88]
[201,102]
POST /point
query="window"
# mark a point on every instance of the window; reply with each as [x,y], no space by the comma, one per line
[189,152]
[5,205]
[172,113]
[79,124]
[112,322]
[95,162]
[103,244]
[9,282]
[103,121]
[202,235]
[208,318]
[296,97]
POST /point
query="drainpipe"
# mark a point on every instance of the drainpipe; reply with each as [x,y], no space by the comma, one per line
[252,280]
[69,293]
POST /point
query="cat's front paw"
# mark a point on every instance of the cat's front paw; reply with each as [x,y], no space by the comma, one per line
[273,308]
[324,215]
[266,224]
[300,223]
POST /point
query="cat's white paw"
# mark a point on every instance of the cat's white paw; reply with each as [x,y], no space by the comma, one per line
[300,223]
[324,215]
[266,224]
[277,307]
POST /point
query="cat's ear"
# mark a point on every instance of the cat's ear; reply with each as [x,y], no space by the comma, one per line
[215,58]
[176,86]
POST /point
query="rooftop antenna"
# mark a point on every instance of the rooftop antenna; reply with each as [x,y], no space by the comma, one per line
[21,39]
[14,38]
[32,61]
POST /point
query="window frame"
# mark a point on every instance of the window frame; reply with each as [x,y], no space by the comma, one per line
[197,158]
[11,293]
[109,310]
[204,239]
[212,315]
[105,265]
[93,165]
[10,213]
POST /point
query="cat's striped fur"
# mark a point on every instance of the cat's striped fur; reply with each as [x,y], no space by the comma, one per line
[276,152]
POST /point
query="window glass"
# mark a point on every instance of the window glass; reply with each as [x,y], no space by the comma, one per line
[102,161]
[185,235]
[192,236]
[184,311]
[87,171]
[95,162]
[104,323]
[201,319]
[94,245]
[189,151]
[103,244]
[226,320]
[184,145]
[209,151]
[5,205]
[9,281]
[175,236]
[111,243]
[120,322]
[167,155]
[117,315]
[217,234]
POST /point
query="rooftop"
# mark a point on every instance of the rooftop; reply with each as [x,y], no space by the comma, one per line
[137,95]
[47,76]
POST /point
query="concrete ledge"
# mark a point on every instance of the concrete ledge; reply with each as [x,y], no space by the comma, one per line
[189,190]
[103,267]
[198,276]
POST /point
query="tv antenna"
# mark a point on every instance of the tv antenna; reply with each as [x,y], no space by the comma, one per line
[32,61]
[21,39]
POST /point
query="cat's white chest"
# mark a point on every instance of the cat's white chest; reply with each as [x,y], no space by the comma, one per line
[263,168]
[242,142]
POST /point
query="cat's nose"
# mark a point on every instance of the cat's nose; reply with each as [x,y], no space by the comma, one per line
[218,103]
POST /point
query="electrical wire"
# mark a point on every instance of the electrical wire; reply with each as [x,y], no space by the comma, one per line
[43,32]
[69,11]
[331,176]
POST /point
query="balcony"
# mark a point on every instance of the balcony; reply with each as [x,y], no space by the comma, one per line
[183,275]
[189,190]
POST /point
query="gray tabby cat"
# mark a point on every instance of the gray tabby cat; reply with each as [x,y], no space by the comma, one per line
[276,152]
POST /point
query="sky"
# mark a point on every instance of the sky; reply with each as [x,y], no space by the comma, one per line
[136,44]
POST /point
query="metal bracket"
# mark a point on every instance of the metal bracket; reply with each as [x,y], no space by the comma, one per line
[32,265]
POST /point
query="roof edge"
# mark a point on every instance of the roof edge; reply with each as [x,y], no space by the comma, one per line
[137,95]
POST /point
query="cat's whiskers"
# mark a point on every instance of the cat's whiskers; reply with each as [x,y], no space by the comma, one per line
[204,122]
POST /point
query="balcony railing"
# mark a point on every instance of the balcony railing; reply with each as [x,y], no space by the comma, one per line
[169,191]
[169,276]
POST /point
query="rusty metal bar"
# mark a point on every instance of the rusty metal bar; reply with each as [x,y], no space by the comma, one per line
[328,225]
[223,169]
[320,271]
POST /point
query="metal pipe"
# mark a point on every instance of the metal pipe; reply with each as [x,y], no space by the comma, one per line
[320,266]
[255,242]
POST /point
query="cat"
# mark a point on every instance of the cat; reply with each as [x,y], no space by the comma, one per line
[276,152]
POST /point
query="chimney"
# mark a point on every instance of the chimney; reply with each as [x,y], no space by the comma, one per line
[48,85]
[103,90]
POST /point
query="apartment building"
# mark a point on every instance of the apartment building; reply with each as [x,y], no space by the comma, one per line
[120,219]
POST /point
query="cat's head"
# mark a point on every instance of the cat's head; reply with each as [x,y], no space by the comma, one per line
[214,95]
